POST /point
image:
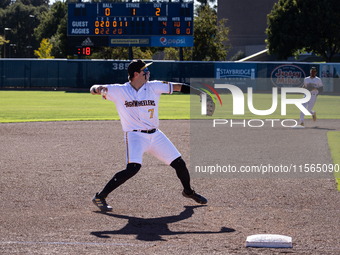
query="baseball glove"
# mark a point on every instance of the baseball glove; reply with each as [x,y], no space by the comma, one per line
[210,106]
[310,86]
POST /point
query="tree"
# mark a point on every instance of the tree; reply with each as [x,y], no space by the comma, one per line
[209,36]
[50,21]
[205,2]
[297,25]
[171,53]
[22,19]
[59,40]
[35,2]
[122,53]
[4,3]
[44,50]
[2,42]
[53,25]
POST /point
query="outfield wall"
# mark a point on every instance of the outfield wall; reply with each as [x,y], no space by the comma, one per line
[77,74]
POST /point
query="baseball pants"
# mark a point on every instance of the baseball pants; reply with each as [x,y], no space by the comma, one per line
[156,143]
[309,106]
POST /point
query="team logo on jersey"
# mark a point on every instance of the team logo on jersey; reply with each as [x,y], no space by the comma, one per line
[136,103]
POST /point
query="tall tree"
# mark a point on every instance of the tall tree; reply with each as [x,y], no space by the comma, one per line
[50,21]
[297,25]
[203,3]
[4,3]
[209,36]
[21,19]
[53,25]
[35,2]
[59,40]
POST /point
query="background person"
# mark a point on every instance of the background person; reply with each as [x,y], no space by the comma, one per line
[314,85]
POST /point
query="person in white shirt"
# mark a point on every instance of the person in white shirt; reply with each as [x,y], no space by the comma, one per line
[314,85]
[137,104]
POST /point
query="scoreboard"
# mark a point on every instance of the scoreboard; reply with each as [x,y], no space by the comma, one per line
[131,24]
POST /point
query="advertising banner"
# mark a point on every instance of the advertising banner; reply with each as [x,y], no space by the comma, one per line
[242,75]
[281,75]
[327,75]
[129,41]
[172,41]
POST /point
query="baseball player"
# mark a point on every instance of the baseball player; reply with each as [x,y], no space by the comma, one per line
[314,85]
[137,104]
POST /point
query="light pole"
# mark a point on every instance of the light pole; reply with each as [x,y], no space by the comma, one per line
[5,29]
[29,35]
[28,48]
[10,49]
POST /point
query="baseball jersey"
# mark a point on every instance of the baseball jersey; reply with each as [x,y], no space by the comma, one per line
[315,82]
[138,110]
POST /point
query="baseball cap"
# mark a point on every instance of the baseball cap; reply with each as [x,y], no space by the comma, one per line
[137,65]
[313,69]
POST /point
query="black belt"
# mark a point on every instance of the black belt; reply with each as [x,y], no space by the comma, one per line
[146,131]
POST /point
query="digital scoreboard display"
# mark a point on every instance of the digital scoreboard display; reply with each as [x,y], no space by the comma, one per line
[133,24]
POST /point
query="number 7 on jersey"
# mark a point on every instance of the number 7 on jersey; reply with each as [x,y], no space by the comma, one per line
[151,113]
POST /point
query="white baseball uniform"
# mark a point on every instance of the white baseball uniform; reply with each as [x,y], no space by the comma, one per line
[316,83]
[138,112]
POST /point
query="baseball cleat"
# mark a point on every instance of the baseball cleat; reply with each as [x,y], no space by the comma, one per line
[302,124]
[101,204]
[197,197]
[314,116]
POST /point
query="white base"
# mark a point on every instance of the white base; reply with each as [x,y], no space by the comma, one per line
[298,127]
[269,241]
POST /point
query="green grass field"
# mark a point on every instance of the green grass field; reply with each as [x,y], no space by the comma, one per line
[28,106]
[334,146]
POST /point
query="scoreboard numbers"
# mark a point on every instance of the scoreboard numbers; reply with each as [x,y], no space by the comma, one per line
[130,19]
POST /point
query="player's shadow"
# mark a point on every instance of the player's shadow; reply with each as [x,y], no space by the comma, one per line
[320,128]
[153,229]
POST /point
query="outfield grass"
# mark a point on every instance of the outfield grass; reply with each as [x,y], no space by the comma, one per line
[334,146]
[27,106]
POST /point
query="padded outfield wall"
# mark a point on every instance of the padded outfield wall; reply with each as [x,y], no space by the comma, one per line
[63,74]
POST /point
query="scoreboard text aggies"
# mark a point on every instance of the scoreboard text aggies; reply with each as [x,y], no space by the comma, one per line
[130,24]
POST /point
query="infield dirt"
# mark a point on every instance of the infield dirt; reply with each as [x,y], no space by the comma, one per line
[50,172]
